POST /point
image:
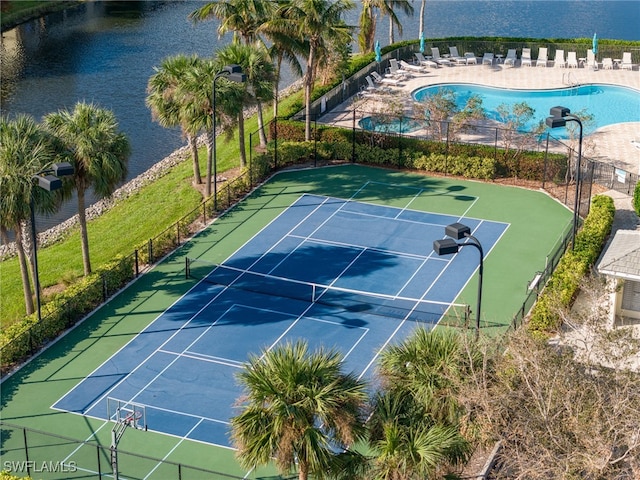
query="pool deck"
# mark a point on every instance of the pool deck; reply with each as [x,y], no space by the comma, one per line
[612,144]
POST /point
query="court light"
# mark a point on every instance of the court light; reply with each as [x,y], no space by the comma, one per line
[559,118]
[448,246]
[234,74]
[48,179]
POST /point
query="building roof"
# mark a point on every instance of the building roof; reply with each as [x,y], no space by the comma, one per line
[622,256]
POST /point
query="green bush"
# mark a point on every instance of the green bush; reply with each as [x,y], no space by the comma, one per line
[562,287]
[22,338]
[636,199]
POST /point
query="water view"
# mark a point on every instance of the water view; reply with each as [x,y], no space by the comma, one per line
[104,52]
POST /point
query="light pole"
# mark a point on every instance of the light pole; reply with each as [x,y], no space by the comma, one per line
[447,246]
[234,74]
[48,179]
[559,118]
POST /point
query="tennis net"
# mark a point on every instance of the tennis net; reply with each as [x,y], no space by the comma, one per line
[390,306]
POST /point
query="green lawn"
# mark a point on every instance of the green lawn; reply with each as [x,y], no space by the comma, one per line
[536,222]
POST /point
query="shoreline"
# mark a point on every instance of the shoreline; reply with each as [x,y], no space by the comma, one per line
[157,170]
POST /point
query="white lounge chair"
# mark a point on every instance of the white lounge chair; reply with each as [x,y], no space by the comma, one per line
[607,63]
[471,58]
[511,57]
[411,68]
[542,57]
[435,54]
[385,80]
[525,58]
[455,57]
[591,60]
[572,60]
[396,71]
[424,61]
[626,61]
[559,61]
[487,58]
[371,89]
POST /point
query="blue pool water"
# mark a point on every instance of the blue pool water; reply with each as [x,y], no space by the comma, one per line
[609,104]
[393,126]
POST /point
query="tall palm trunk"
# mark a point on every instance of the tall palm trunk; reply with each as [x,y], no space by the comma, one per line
[391,37]
[276,85]
[422,9]
[303,470]
[243,153]
[308,86]
[84,236]
[193,146]
[24,271]
[261,132]
[207,190]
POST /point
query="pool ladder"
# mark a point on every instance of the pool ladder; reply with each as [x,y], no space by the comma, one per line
[569,79]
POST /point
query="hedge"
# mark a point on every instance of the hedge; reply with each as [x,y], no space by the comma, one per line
[636,199]
[23,338]
[562,287]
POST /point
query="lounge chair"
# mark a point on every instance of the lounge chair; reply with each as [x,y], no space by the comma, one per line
[455,57]
[397,71]
[371,89]
[385,80]
[572,60]
[542,57]
[425,62]
[525,58]
[471,58]
[559,61]
[607,63]
[487,59]
[411,68]
[626,61]
[511,57]
[591,60]
[435,54]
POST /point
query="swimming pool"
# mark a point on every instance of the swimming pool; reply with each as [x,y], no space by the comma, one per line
[406,125]
[609,104]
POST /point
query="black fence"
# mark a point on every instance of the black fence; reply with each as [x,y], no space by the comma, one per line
[47,456]
[27,338]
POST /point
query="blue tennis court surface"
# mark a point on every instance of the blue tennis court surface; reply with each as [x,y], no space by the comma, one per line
[344,274]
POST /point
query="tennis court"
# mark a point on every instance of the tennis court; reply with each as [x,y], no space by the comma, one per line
[341,256]
[336,272]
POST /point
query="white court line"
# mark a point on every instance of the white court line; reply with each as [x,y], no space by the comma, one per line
[357,247]
[172,450]
[156,350]
[289,234]
[205,358]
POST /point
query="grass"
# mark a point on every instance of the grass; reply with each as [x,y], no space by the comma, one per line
[126,226]
[535,221]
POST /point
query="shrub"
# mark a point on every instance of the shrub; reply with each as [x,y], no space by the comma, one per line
[563,285]
[636,199]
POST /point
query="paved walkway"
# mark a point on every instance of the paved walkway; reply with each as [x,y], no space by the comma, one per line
[612,144]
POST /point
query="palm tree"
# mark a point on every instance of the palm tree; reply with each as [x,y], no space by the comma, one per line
[407,443]
[367,23]
[415,424]
[89,136]
[164,100]
[24,151]
[368,20]
[423,6]
[255,63]
[388,8]
[242,17]
[320,23]
[429,364]
[295,407]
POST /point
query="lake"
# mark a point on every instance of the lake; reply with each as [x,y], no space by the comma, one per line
[105,52]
